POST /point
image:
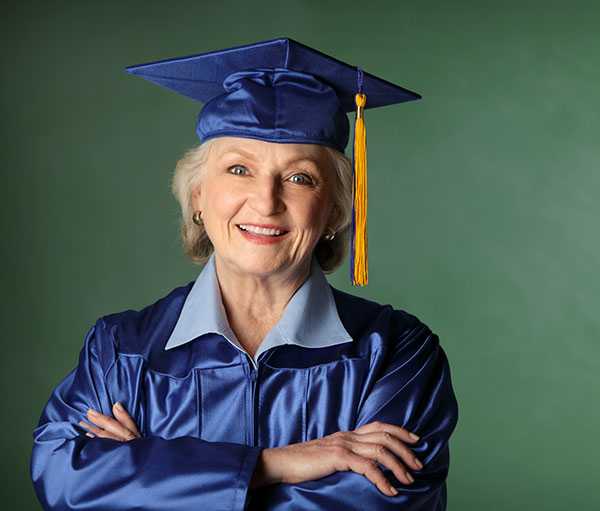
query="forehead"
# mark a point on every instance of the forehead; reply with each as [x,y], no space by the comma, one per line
[253,148]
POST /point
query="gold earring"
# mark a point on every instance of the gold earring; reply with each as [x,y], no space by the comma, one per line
[196,218]
[329,237]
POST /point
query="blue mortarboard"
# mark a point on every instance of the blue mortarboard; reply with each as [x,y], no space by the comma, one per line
[283,91]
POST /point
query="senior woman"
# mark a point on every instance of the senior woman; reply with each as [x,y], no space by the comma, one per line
[257,385]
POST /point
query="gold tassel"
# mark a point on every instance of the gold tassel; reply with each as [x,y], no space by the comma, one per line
[360,271]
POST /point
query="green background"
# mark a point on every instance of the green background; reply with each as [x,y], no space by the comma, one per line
[482,211]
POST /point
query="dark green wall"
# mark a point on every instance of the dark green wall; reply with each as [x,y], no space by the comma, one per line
[482,213]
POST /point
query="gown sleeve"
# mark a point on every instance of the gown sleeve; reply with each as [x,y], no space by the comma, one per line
[70,470]
[413,389]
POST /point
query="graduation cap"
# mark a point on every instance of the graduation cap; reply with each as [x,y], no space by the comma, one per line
[280,90]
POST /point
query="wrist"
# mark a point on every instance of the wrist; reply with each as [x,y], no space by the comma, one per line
[266,472]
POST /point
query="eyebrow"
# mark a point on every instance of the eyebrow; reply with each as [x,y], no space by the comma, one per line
[240,152]
[250,156]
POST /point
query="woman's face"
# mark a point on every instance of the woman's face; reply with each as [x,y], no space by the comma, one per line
[248,182]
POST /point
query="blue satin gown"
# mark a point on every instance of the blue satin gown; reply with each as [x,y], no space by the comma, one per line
[206,408]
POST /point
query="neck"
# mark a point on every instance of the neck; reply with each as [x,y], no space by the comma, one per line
[255,299]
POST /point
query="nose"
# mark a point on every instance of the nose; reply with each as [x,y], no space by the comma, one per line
[265,196]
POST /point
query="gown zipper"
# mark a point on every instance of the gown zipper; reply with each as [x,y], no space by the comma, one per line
[252,377]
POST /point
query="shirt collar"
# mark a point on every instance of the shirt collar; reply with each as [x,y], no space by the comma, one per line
[310,319]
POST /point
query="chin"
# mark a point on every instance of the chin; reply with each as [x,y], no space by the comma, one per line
[255,262]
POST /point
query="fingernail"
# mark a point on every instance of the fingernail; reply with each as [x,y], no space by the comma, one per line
[393,490]
[90,435]
[410,478]
[418,463]
[93,413]
[413,436]
[119,406]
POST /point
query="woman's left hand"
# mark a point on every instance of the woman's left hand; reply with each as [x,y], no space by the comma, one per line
[121,428]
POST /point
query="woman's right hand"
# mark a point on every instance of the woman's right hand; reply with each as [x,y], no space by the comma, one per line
[358,450]
[122,427]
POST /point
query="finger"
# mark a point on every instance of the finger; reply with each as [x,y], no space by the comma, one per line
[402,433]
[380,453]
[99,432]
[125,419]
[372,472]
[109,424]
[393,444]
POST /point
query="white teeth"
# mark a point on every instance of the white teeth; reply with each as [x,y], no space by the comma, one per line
[260,230]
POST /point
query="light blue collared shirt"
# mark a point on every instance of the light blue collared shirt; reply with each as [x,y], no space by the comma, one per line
[310,319]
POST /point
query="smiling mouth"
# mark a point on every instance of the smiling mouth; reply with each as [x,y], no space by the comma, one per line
[258,231]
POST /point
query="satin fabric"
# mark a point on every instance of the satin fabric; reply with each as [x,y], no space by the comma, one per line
[276,90]
[205,413]
[277,105]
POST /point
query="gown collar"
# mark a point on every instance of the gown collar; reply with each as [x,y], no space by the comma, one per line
[310,319]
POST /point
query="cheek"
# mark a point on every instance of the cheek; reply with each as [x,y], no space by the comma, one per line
[222,202]
[310,214]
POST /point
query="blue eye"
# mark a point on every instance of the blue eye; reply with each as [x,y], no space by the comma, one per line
[237,167]
[306,179]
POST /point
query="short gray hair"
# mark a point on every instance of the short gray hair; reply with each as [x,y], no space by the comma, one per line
[196,243]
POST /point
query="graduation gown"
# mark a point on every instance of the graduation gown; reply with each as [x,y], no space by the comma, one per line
[206,408]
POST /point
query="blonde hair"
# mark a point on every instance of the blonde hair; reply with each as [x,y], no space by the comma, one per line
[196,243]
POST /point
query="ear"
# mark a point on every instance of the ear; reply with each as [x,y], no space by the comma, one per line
[197,198]
[334,217]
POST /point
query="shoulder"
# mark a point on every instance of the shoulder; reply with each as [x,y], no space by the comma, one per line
[398,344]
[133,330]
[384,327]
